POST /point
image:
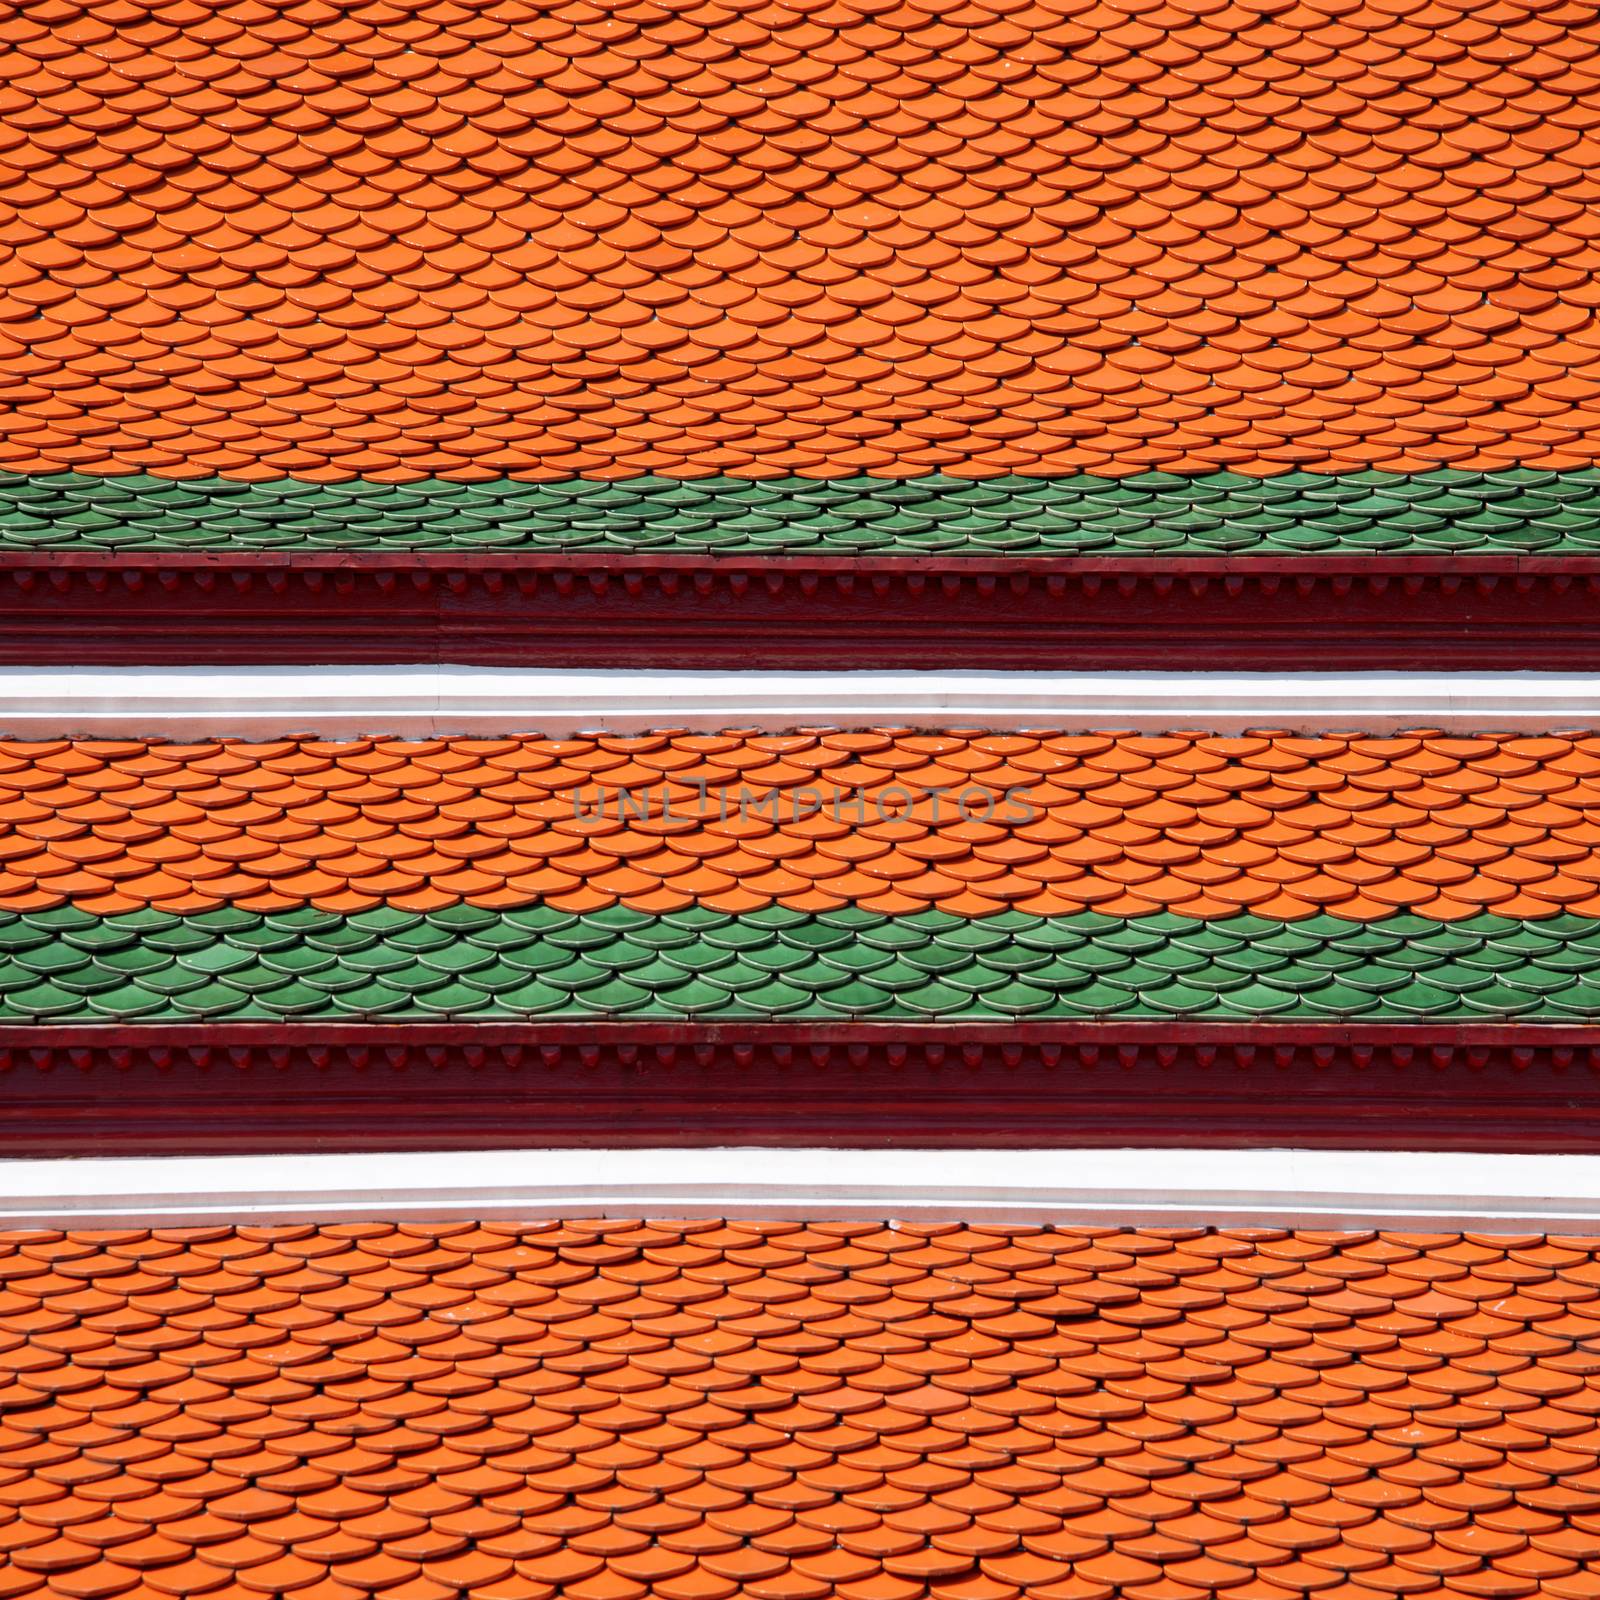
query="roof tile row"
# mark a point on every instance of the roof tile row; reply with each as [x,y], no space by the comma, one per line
[797,1411]
[471,964]
[810,237]
[890,820]
[1440,512]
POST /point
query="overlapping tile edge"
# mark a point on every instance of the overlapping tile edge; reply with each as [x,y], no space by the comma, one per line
[1293,513]
[795,1411]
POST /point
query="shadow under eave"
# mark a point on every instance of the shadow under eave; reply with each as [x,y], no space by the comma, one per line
[260,1087]
[1248,613]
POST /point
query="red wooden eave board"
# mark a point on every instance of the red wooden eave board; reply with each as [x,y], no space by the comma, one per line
[1495,612]
[346,1086]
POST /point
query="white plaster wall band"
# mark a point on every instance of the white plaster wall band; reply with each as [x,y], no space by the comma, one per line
[1321,1189]
[426,700]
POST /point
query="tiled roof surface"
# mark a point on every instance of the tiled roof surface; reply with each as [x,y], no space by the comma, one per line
[1285,826]
[786,1411]
[819,237]
[1403,877]
[1447,510]
[476,964]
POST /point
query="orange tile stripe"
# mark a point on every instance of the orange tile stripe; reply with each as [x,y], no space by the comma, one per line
[787,1411]
[1206,826]
[1008,236]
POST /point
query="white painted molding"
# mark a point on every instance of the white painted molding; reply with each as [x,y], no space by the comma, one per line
[1322,1189]
[434,700]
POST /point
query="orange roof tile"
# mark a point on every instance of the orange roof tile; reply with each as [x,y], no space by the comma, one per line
[891,821]
[569,239]
[703,1410]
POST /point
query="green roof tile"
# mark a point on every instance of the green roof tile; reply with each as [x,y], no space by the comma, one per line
[1444,510]
[66,964]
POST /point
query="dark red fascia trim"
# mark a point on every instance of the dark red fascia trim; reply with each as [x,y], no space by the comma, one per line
[1260,613]
[264,1087]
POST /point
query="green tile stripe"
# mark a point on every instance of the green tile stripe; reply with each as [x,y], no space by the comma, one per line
[1297,513]
[467,962]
